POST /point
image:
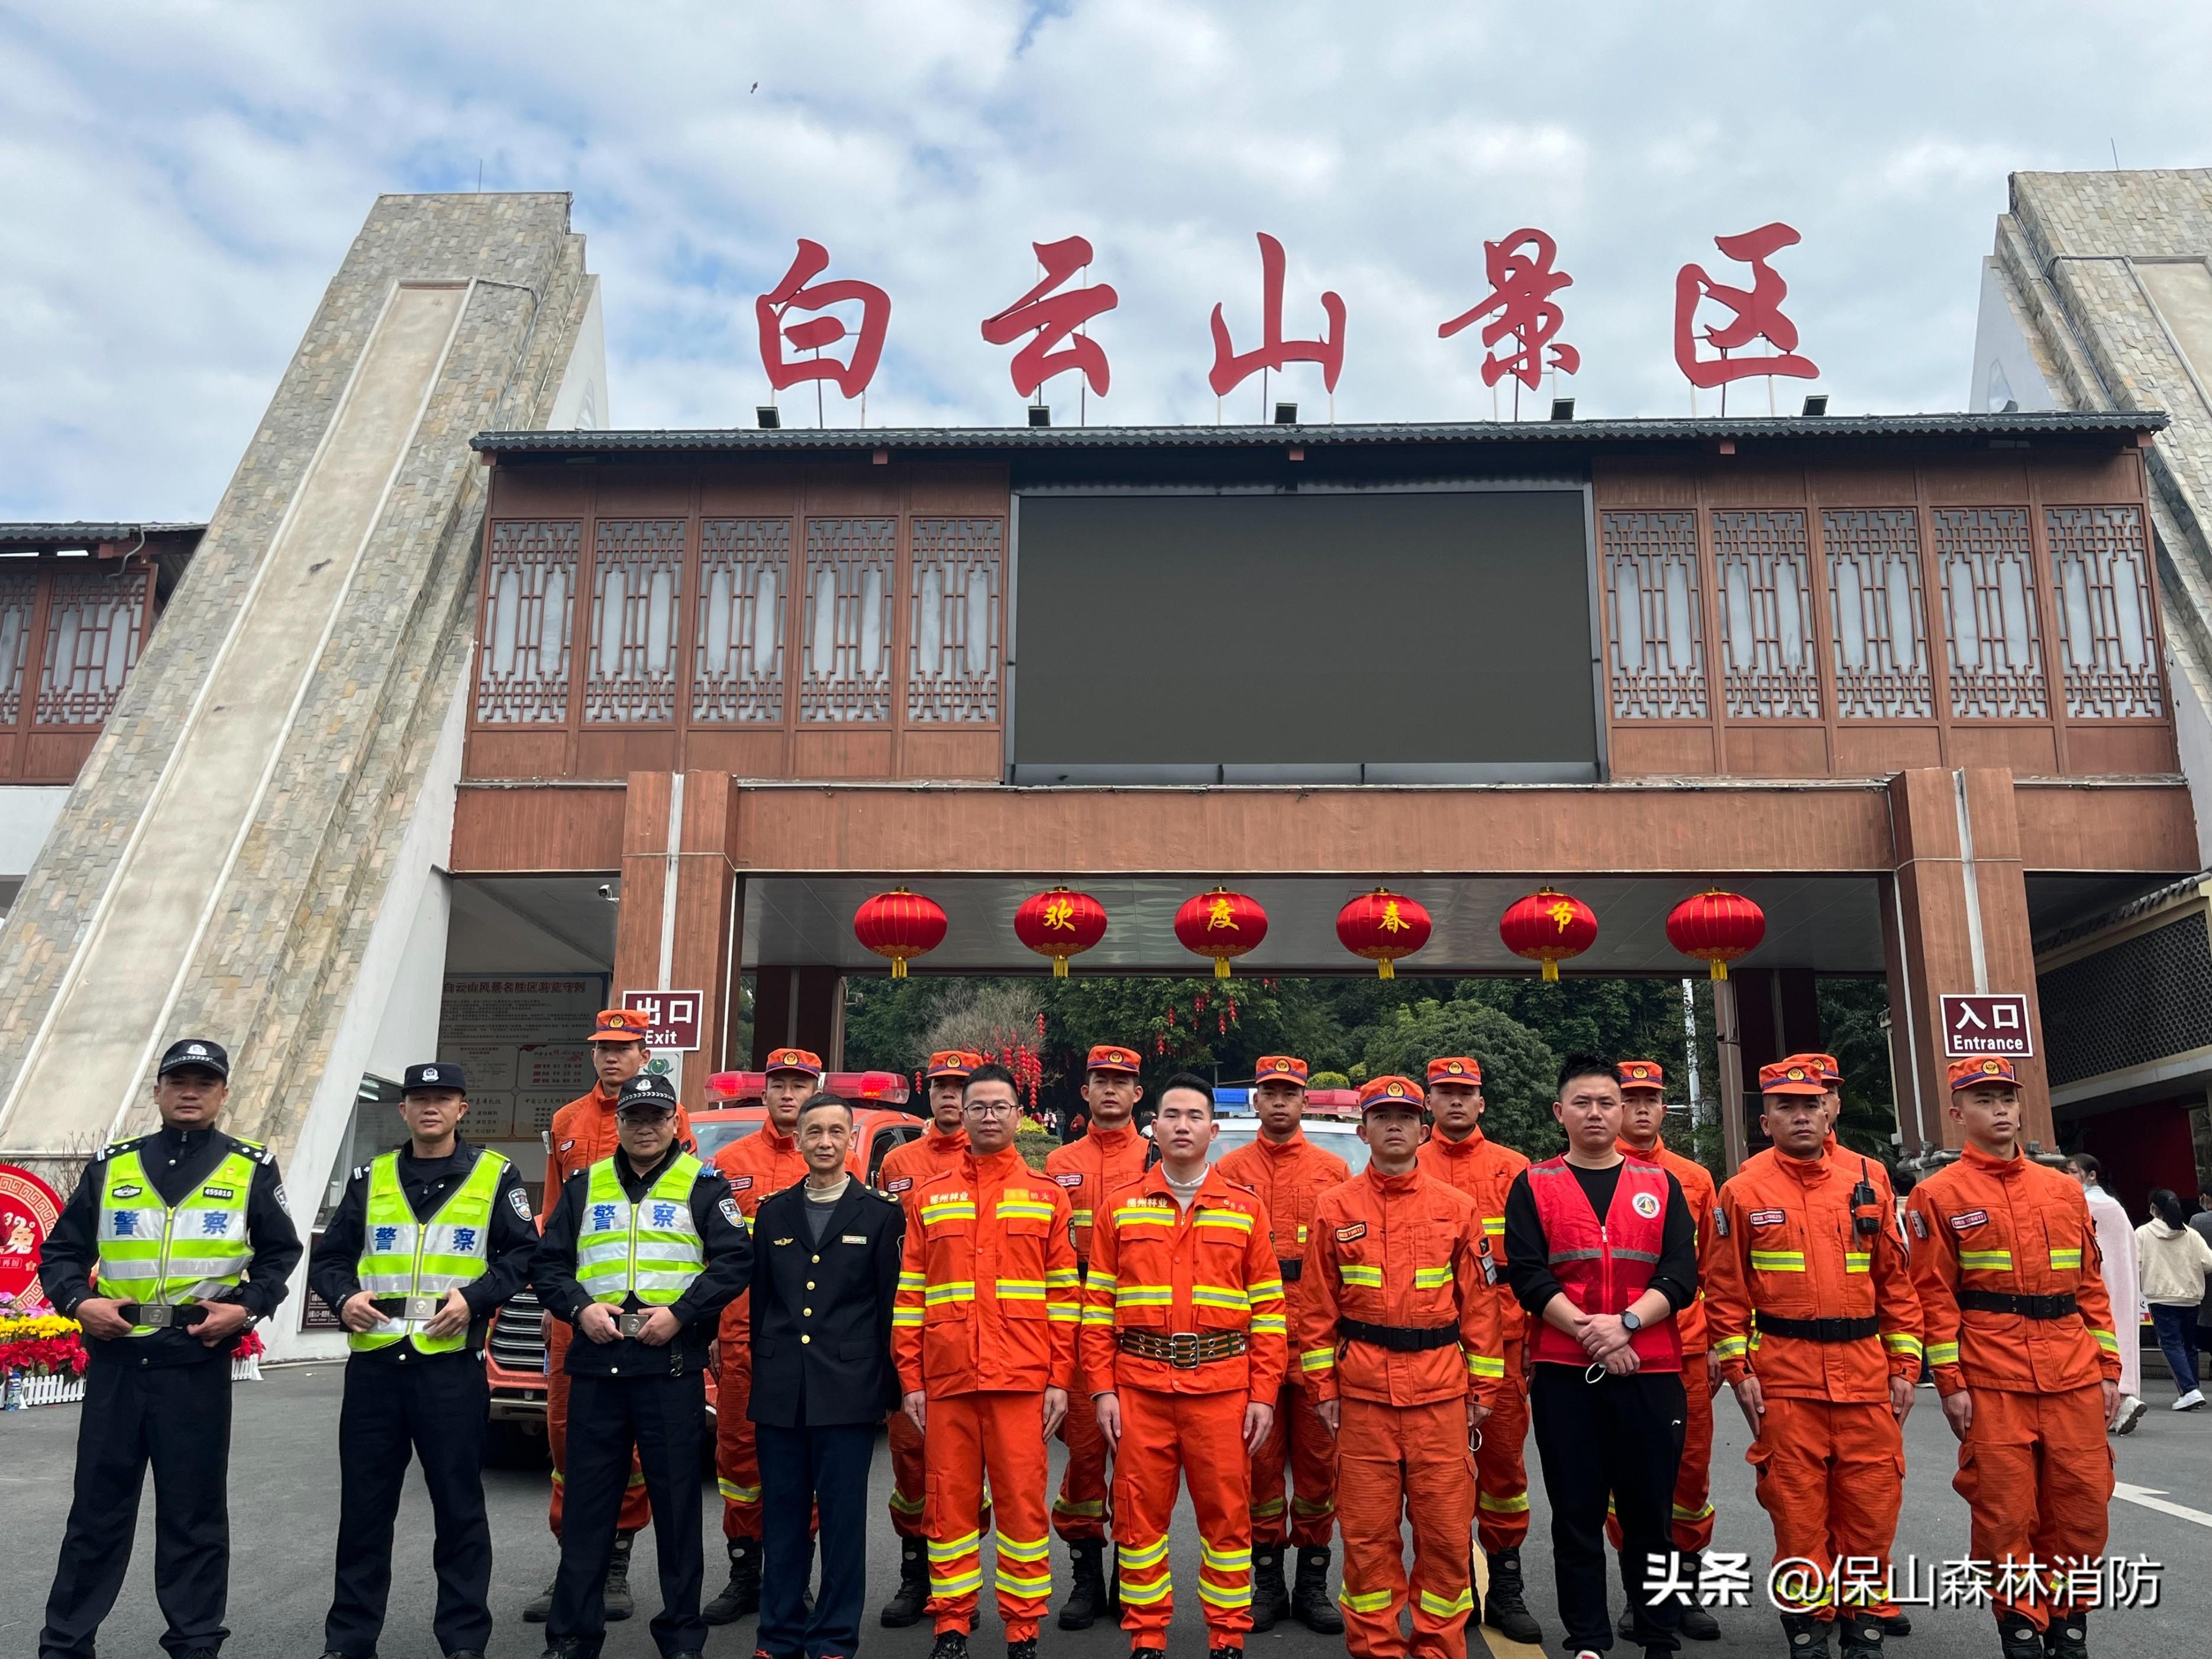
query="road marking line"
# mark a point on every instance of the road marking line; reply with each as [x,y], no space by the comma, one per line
[2151,1497]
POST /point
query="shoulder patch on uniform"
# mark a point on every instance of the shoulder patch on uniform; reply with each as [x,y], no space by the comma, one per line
[1069,1180]
[900,1185]
[1646,1205]
[1917,1222]
[1357,1230]
[520,1200]
[360,1170]
[1720,1222]
[1767,1218]
[1967,1219]
[284,1199]
[567,1145]
[728,1207]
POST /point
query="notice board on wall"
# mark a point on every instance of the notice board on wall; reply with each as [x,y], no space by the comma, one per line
[521,1041]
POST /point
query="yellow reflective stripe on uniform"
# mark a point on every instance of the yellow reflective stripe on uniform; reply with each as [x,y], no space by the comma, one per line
[1220,1296]
[1264,1289]
[1020,1289]
[1942,1353]
[1148,1555]
[1143,1215]
[913,1281]
[2105,1339]
[1023,1209]
[1494,1225]
[1858,1261]
[1432,1278]
[1143,1296]
[1363,1601]
[1681,1514]
[1511,1503]
[959,1583]
[1238,1219]
[953,1549]
[952,1290]
[1090,1509]
[1080,1218]
[1223,1560]
[1732,1347]
[733,1492]
[1096,1315]
[1986,1260]
[904,1505]
[938,1209]
[1271,1324]
[1778,1261]
[907,1317]
[1902,1342]
[1101,1281]
[1018,1549]
[1357,1273]
[1064,1313]
[1483,1365]
[2063,1259]
[1063,1278]
[1317,1359]
[1437,1608]
[1269,1509]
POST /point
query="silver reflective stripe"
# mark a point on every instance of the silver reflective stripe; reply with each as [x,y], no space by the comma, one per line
[1577,1255]
[1634,1256]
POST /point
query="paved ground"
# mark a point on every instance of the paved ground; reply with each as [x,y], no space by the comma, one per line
[284,1515]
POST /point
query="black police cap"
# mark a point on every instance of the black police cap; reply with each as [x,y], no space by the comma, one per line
[196,1052]
[437,1074]
[646,1089]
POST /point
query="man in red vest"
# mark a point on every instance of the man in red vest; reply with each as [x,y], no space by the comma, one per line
[1602,1254]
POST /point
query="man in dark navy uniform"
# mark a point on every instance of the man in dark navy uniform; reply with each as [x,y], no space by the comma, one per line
[187,1232]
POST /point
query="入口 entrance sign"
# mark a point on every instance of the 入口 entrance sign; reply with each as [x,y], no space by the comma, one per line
[1987,1025]
[674,1016]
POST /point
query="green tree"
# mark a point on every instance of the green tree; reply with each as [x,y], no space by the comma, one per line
[1854,1013]
[1519,1068]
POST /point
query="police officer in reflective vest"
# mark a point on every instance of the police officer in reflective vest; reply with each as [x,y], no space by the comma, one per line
[186,1232]
[429,1240]
[641,1255]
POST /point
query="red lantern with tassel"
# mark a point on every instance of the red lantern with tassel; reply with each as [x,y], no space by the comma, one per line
[1221,925]
[1549,927]
[899,925]
[1059,924]
[1382,927]
[1716,928]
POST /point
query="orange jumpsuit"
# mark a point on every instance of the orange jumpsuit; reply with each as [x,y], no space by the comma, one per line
[1405,1254]
[1484,1169]
[1692,1517]
[986,1320]
[1829,1455]
[1289,1180]
[1189,1279]
[904,1169]
[583,1133]
[2035,1468]
[1090,1170]
[757,1166]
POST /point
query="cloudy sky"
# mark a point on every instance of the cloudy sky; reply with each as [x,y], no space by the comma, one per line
[180,180]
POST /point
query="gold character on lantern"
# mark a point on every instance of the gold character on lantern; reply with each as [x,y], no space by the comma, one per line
[1392,922]
[1562,913]
[1061,912]
[1220,915]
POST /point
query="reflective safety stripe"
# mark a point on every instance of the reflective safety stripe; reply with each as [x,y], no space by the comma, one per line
[1023,1209]
[1681,1514]
[1365,1274]
[1317,1359]
[651,1249]
[2064,1260]
[1995,1262]
[1096,1315]
[1778,1261]
[1576,1255]
[733,1493]
[1101,1282]
[953,1549]
[1265,1289]
[1437,1608]
[1090,1509]
[1858,1261]
[1064,1313]
[1299,1506]
[1478,1364]
[403,1257]
[1238,1220]
[1036,1583]
[1220,1296]
[1063,1278]
[1143,1215]
[900,1501]
[1146,1556]
[1363,1601]
[1902,1342]
[1223,1560]
[1511,1503]
[907,1317]
[953,1289]
[1942,1353]
[1020,1289]
[1732,1347]
[2105,1339]
[1144,1296]
[1080,1218]
[913,1281]
[1268,1509]
[1432,1278]
[936,1212]
[1271,1324]
[149,1253]
[958,1583]
[1494,1225]
[1635,1256]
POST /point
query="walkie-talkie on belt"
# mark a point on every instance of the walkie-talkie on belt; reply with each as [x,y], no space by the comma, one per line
[1865,1205]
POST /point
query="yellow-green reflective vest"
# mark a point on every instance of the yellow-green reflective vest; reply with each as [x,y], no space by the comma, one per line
[402,1256]
[151,1253]
[651,1249]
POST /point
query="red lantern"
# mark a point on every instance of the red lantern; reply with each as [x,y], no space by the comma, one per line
[1717,927]
[1222,925]
[1060,925]
[899,925]
[1549,927]
[1382,927]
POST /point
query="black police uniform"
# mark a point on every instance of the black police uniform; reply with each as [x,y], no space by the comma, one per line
[623,1393]
[401,1401]
[824,1278]
[163,1399]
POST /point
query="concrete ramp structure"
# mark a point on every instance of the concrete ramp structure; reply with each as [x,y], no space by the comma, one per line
[255,848]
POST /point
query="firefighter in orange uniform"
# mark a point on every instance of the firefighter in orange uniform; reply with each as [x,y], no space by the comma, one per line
[1459,1155]
[1110,1156]
[583,1134]
[757,1166]
[1813,1317]
[1644,1114]
[2021,1338]
[1400,1337]
[1182,1345]
[1288,1174]
[940,1148]
[984,1335]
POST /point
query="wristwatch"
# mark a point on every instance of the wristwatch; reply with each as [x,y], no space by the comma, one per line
[1629,1321]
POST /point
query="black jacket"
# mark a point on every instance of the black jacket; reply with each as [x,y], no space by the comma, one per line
[332,1271]
[822,1317]
[176,1160]
[729,1257]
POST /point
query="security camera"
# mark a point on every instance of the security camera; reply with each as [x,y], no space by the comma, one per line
[607,892]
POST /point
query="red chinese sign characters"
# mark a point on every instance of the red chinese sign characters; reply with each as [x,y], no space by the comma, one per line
[1758,314]
[1232,369]
[794,294]
[1055,320]
[1522,284]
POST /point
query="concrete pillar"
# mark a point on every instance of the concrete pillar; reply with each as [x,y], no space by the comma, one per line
[683,906]
[1957,921]
[799,1006]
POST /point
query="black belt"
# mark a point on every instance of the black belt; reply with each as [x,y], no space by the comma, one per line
[159,1315]
[415,1308]
[1293,1270]
[2062,1306]
[1820,1330]
[1398,1339]
[1184,1350]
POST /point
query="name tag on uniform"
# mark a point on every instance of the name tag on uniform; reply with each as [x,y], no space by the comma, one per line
[1967,1219]
[1767,1218]
[420,1307]
[632,1323]
[856,1238]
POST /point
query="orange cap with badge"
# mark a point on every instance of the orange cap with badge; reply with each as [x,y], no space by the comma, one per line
[1791,1077]
[1455,1068]
[1112,1057]
[1281,1068]
[953,1063]
[1989,1068]
[620,1025]
[793,1059]
[1823,1066]
[1642,1074]
[1390,1092]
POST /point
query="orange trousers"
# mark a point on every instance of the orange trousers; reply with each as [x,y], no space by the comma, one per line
[636,1508]
[972,1437]
[1200,1436]
[737,1460]
[909,1478]
[1396,1461]
[1080,1511]
[1693,1515]
[2036,1470]
[1501,1469]
[1832,1477]
[1300,1440]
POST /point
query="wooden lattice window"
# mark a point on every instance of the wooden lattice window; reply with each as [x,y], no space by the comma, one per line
[1768,667]
[952,675]
[529,620]
[851,573]
[2110,648]
[95,625]
[1990,613]
[19,600]
[637,593]
[744,575]
[1880,619]
[1655,623]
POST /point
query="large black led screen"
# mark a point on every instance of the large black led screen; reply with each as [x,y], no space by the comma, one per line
[1445,632]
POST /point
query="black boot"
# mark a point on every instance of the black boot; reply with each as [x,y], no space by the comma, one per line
[1087,1594]
[1698,1622]
[1858,1636]
[620,1603]
[2017,1639]
[1113,1585]
[1502,1609]
[1311,1603]
[1896,1624]
[950,1645]
[1270,1601]
[906,1605]
[2067,1635]
[1024,1649]
[1805,1634]
[741,1595]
